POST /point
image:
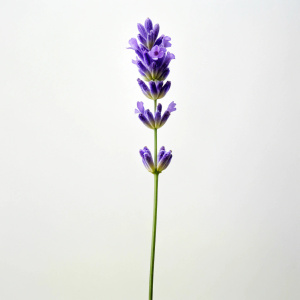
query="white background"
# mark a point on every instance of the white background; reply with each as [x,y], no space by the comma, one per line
[75,199]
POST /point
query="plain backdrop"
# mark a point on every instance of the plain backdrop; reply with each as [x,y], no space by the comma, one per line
[75,199]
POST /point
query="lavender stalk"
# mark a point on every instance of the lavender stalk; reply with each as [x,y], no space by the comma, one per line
[153,242]
[153,61]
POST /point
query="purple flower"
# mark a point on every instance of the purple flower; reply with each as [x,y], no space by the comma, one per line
[133,44]
[156,90]
[163,91]
[142,30]
[140,108]
[171,107]
[142,39]
[150,117]
[159,40]
[166,114]
[166,41]
[148,25]
[164,159]
[144,88]
[156,120]
[156,31]
[165,63]
[145,121]
[147,159]
[145,115]
[157,52]
[161,153]
[152,57]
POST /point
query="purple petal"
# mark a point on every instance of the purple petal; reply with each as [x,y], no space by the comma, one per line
[148,159]
[159,85]
[148,25]
[157,119]
[143,74]
[155,31]
[142,30]
[161,153]
[166,62]
[166,42]
[144,88]
[167,162]
[143,48]
[153,69]
[150,117]
[134,44]
[142,67]
[171,107]
[141,151]
[164,74]
[159,107]
[140,54]
[165,88]
[135,61]
[164,161]
[142,39]
[153,90]
[164,118]
[150,39]
[146,149]
[157,52]
[147,59]
[159,40]
[140,106]
[145,121]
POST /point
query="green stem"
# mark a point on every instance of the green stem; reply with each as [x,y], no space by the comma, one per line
[155,139]
[151,277]
[153,237]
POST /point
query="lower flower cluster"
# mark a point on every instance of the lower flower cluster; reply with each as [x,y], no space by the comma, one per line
[163,159]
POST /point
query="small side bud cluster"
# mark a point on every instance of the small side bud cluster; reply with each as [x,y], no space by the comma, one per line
[156,90]
[156,120]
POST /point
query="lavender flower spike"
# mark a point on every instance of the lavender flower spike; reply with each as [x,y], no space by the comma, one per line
[153,63]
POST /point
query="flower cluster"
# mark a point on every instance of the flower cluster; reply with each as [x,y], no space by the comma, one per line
[158,119]
[163,158]
[156,89]
[153,61]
